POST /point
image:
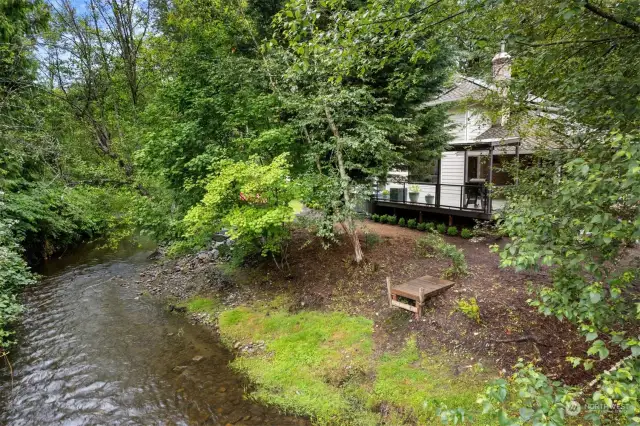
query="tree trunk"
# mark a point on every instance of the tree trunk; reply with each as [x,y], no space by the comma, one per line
[349,224]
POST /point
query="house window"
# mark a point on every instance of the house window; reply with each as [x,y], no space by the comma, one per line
[478,167]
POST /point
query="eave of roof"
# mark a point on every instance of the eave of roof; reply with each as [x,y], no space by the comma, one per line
[464,88]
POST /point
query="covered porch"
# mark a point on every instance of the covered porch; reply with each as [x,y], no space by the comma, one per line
[458,182]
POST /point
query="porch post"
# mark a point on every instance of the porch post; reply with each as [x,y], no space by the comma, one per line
[488,206]
[464,178]
[438,181]
[466,159]
[517,163]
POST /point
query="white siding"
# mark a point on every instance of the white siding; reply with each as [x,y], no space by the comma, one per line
[467,125]
[477,124]
[458,129]
[452,174]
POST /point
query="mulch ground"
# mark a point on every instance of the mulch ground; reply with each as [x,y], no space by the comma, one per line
[326,278]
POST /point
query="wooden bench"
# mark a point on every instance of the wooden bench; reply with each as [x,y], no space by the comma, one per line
[417,290]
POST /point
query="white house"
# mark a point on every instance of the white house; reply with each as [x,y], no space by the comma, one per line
[458,184]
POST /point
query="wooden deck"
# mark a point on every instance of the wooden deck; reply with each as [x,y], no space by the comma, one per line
[417,290]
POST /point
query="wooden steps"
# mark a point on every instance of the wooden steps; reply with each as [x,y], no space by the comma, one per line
[417,290]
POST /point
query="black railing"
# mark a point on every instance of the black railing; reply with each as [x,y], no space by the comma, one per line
[469,197]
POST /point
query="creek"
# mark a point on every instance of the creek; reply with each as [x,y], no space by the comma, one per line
[92,350]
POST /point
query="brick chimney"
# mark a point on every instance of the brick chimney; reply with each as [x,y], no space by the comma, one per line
[501,69]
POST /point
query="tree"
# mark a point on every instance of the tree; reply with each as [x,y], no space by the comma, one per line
[252,201]
[575,86]
[93,62]
[356,96]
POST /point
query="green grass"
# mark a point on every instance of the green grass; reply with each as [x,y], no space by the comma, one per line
[418,384]
[322,365]
[308,355]
[200,304]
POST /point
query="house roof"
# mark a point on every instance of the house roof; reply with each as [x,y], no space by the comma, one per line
[463,88]
[497,132]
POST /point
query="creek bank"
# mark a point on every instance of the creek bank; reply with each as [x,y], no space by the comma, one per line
[325,281]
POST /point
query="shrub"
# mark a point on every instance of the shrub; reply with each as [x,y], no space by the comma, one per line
[452,230]
[412,223]
[384,218]
[422,226]
[392,220]
[402,222]
[433,244]
[429,226]
[371,239]
[442,228]
[466,233]
[258,218]
[375,218]
[470,308]
[14,275]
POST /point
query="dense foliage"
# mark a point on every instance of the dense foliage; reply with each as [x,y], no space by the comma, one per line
[181,119]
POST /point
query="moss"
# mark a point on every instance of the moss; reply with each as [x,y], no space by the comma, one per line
[417,385]
[322,365]
[200,304]
[307,356]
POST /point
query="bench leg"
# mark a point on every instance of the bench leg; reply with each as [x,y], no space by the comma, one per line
[419,303]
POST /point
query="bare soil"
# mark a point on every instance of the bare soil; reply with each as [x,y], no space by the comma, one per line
[327,279]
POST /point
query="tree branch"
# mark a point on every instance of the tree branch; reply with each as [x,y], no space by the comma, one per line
[407,16]
[633,26]
[556,43]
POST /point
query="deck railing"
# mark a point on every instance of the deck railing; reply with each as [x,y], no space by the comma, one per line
[469,197]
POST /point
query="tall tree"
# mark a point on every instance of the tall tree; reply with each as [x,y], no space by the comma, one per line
[575,87]
[358,91]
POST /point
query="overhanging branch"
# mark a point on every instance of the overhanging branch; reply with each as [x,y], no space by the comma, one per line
[633,26]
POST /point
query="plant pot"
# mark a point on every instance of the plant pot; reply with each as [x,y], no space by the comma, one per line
[384,197]
[429,199]
[413,196]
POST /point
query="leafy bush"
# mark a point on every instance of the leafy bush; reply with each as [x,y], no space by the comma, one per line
[384,218]
[533,396]
[412,223]
[433,244]
[422,226]
[470,308]
[429,226]
[251,200]
[392,220]
[442,228]
[466,233]
[375,217]
[371,239]
[14,275]
[402,222]
[452,230]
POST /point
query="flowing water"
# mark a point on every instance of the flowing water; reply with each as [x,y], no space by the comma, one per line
[91,350]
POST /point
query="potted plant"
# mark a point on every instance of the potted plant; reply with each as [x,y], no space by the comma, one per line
[385,194]
[429,199]
[414,193]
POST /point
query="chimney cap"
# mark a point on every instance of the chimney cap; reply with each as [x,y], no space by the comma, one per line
[502,55]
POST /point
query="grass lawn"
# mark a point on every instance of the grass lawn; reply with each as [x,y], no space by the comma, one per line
[200,304]
[323,365]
